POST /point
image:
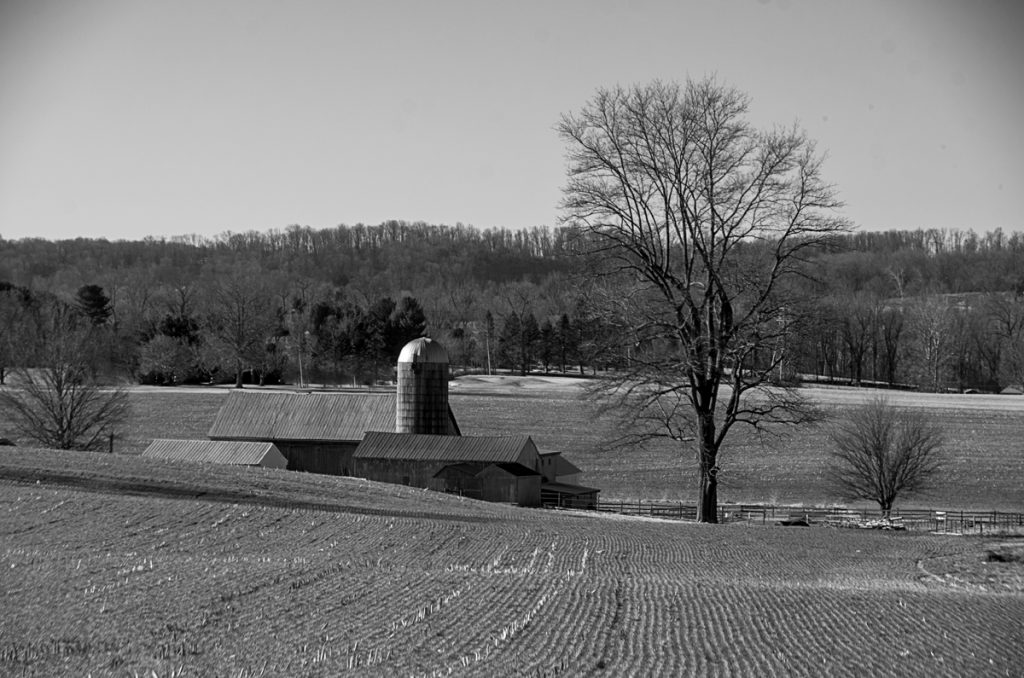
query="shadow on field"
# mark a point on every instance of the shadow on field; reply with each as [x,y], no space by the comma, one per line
[197,492]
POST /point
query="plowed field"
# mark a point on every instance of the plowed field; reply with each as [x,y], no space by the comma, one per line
[124,566]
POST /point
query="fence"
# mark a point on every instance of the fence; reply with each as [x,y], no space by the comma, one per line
[929,520]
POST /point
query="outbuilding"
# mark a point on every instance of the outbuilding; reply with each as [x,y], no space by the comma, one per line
[495,468]
[218,452]
[557,469]
[564,495]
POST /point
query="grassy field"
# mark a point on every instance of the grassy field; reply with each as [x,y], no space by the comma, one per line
[983,460]
[123,566]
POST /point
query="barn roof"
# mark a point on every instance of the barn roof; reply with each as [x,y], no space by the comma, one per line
[303,416]
[423,447]
[254,415]
[218,452]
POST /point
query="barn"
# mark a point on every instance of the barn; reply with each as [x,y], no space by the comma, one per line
[218,452]
[316,432]
[409,436]
[494,468]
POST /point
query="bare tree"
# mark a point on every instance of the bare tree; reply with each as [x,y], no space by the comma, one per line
[1006,323]
[930,320]
[59,403]
[881,453]
[15,303]
[241,318]
[706,219]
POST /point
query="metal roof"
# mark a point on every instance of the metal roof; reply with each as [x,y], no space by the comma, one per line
[218,452]
[422,447]
[303,416]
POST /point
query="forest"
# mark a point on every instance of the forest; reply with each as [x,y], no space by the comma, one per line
[934,310]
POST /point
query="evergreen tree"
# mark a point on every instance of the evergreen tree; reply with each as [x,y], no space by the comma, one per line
[92,301]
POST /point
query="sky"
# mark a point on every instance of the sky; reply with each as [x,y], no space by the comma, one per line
[122,119]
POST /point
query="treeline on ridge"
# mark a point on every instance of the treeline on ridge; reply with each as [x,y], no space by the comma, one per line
[932,309]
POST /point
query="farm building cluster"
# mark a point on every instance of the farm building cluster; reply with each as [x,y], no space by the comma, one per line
[409,437]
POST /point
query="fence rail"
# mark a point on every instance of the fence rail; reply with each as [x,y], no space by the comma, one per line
[929,520]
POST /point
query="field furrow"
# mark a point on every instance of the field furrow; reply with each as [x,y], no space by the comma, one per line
[104,583]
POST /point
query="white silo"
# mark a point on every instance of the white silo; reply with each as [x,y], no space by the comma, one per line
[422,388]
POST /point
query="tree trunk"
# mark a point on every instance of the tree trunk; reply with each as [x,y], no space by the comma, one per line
[707,490]
[707,502]
[238,374]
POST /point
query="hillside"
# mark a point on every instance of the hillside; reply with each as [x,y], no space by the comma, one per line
[123,566]
[939,310]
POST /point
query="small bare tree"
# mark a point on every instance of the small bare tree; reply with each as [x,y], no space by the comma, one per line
[59,403]
[881,453]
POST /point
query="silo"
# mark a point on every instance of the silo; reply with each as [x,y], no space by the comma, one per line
[422,388]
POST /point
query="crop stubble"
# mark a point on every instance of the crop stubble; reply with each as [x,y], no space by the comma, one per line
[110,584]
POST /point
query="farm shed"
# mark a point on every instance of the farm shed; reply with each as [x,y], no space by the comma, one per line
[568,496]
[510,483]
[316,432]
[501,482]
[218,452]
[419,459]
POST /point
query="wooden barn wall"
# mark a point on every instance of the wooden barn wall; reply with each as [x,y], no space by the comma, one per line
[457,482]
[522,490]
[330,458]
[528,490]
[399,471]
[547,468]
[530,457]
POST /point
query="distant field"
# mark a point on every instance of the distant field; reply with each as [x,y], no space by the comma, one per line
[984,458]
[123,566]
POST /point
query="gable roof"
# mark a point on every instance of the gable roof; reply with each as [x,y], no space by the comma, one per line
[564,467]
[335,417]
[218,452]
[303,416]
[422,447]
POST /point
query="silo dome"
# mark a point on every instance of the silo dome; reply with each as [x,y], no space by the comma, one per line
[422,403]
[423,350]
